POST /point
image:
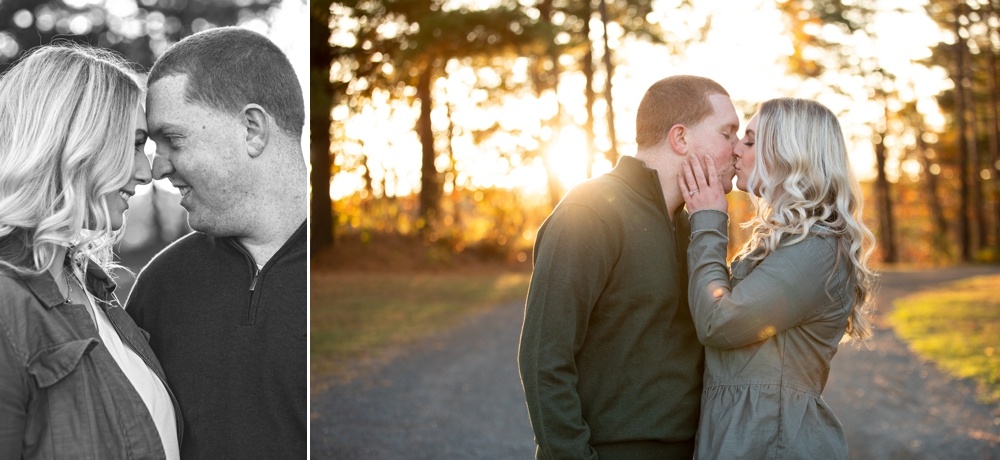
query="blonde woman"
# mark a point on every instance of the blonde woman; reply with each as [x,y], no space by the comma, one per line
[772,323]
[77,377]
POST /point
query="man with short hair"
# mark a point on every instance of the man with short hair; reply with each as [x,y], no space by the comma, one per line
[225,306]
[609,358]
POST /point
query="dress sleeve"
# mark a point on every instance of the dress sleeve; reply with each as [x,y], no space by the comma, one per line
[783,290]
[13,396]
[573,259]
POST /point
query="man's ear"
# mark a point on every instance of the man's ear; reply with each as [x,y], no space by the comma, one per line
[258,125]
[677,136]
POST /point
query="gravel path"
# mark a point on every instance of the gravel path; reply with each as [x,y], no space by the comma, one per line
[458,396]
[894,406]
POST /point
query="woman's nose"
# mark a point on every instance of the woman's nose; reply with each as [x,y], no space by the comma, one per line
[142,172]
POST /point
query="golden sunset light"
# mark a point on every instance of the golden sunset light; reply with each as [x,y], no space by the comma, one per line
[471,141]
[743,49]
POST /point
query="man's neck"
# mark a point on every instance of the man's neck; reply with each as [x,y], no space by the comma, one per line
[667,172]
[281,213]
[263,245]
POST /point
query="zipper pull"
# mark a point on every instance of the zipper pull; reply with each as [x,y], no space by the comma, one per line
[253,283]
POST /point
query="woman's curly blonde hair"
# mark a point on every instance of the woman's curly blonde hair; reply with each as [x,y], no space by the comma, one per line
[802,177]
[67,120]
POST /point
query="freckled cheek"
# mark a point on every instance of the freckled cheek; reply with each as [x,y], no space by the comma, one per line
[181,165]
[725,149]
[724,156]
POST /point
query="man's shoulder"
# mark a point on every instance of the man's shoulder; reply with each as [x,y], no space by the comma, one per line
[590,206]
[193,257]
[182,253]
[595,193]
[198,239]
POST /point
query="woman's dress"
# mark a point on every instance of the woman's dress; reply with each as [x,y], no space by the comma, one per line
[770,329]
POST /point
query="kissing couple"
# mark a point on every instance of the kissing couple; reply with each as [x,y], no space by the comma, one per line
[640,340]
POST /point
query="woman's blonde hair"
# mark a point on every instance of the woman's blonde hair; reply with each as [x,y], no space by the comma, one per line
[67,121]
[802,177]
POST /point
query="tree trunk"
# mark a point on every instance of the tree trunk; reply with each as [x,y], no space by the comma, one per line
[609,68]
[939,232]
[429,188]
[886,224]
[993,126]
[320,104]
[452,169]
[452,173]
[975,166]
[588,73]
[964,229]
[369,186]
[549,79]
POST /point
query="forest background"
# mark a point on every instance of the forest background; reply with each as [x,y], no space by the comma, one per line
[141,30]
[444,132]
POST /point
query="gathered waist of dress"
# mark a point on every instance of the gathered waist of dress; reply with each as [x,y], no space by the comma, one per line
[714,384]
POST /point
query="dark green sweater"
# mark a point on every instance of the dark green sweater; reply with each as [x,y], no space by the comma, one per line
[609,358]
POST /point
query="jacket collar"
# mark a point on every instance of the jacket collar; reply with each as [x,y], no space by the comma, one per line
[15,248]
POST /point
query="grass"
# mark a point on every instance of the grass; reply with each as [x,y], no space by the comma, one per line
[363,317]
[957,327]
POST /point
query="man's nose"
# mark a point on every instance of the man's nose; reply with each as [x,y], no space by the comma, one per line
[161,167]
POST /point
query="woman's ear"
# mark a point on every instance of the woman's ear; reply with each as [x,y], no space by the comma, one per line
[677,136]
[258,126]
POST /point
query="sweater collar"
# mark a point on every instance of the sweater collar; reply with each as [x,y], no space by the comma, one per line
[298,241]
[645,181]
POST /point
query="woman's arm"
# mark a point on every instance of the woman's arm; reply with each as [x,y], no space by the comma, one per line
[786,288]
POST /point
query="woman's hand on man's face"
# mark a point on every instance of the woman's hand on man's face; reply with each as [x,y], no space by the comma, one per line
[701,187]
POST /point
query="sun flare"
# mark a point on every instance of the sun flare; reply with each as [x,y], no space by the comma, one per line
[568,156]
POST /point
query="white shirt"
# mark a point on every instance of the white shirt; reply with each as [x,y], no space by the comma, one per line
[146,382]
